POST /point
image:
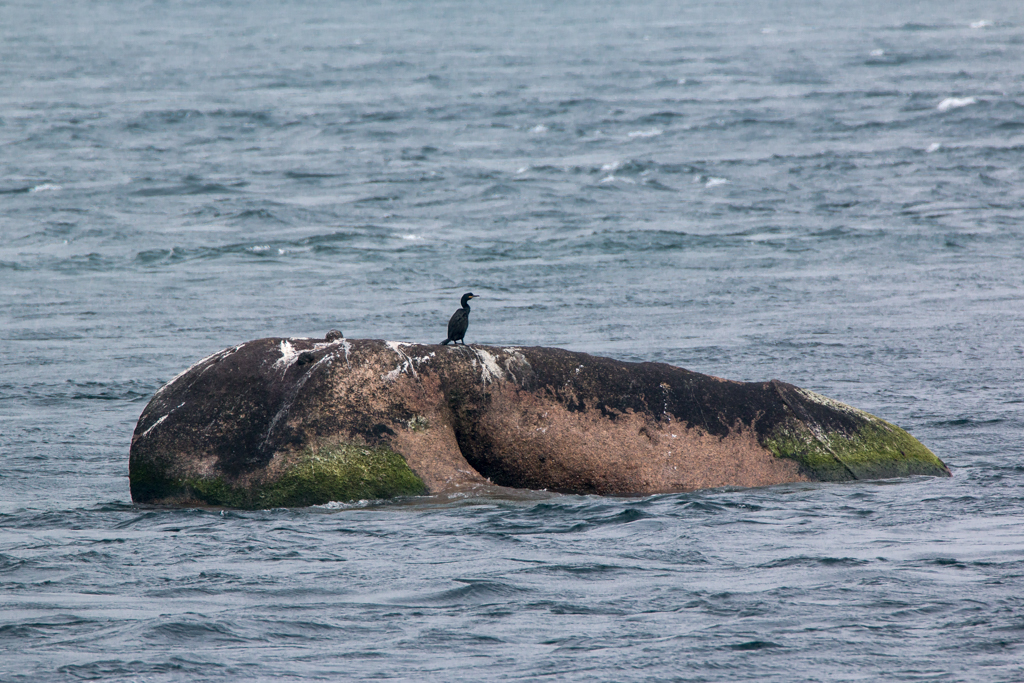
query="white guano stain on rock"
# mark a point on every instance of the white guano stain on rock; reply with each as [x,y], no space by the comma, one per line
[218,356]
[408,364]
[490,370]
[405,366]
[835,405]
[348,348]
[154,425]
[396,346]
[514,361]
[288,355]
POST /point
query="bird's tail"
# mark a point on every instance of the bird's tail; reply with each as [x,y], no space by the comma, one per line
[446,342]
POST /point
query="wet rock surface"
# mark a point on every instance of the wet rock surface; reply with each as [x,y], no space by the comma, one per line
[282,422]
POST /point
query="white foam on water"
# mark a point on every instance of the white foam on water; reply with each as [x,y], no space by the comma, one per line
[539,129]
[955,103]
[877,53]
[649,133]
[934,147]
[354,505]
[617,179]
[769,236]
[715,182]
[981,23]
[46,187]
[411,237]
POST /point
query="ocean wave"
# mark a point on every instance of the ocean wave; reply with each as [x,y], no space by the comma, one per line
[45,187]
[955,103]
[648,133]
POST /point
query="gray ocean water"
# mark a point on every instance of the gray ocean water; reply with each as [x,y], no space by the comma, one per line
[827,193]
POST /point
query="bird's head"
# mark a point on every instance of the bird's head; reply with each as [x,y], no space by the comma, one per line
[467,296]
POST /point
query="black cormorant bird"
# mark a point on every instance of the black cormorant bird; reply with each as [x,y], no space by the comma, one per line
[460,321]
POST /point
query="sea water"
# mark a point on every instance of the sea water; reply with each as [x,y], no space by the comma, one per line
[820,192]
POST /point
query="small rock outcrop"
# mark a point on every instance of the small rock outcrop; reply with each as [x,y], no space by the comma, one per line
[293,422]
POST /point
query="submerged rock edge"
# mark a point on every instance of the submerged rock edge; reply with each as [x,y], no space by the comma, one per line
[872,449]
[878,450]
[337,473]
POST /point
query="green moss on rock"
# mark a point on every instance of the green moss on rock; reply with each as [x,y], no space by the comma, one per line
[335,473]
[877,450]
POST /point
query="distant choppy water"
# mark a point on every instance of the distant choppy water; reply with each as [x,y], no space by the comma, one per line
[827,193]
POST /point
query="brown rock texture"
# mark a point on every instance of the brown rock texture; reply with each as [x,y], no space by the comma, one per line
[301,421]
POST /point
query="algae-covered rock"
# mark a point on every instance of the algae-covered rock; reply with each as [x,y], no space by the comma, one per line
[291,422]
[341,472]
[843,443]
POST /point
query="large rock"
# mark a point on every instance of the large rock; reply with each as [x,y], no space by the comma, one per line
[287,422]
